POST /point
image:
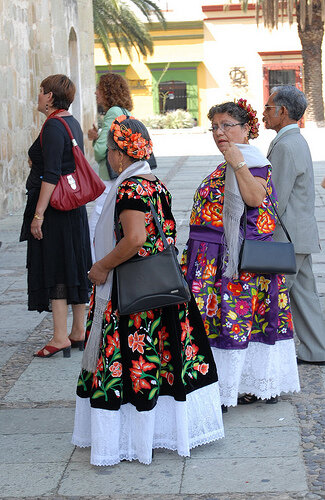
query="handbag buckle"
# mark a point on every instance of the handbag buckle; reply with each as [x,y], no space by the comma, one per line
[72,182]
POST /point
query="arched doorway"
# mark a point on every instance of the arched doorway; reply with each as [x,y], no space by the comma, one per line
[74,73]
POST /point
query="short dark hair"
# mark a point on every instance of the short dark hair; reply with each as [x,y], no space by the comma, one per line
[292,99]
[62,88]
[232,109]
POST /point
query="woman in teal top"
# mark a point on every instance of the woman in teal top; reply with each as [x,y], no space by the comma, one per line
[113,95]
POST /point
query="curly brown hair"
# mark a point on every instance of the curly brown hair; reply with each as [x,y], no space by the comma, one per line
[115,91]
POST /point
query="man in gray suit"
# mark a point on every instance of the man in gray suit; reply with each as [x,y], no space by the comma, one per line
[293,177]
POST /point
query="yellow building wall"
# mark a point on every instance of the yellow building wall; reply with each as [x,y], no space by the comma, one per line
[224,44]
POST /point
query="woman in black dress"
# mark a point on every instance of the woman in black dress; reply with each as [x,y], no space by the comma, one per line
[58,250]
[148,379]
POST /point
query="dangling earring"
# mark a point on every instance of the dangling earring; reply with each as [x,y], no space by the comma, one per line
[46,107]
[246,139]
[121,166]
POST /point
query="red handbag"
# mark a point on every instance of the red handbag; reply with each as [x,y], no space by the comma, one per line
[80,187]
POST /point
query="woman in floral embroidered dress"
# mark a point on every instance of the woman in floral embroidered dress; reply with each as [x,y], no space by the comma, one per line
[149,379]
[247,316]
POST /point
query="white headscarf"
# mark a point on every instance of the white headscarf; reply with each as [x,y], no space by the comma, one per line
[104,243]
[233,208]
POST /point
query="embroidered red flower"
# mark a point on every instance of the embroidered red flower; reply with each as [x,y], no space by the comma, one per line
[186,329]
[142,252]
[235,328]
[136,342]
[204,368]
[139,368]
[108,311]
[113,342]
[212,305]
[235,288]
[166,357]
[264,223]
[168,225]
[212,213]
[261,309]
[170,378]
[189,352]
[116,369]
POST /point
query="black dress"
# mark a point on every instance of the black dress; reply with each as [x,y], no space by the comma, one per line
[58,264]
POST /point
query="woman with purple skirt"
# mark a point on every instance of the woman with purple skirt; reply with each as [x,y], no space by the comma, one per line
[247,316]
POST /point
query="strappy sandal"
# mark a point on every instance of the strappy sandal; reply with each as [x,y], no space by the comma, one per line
[247,399]
[80,344]
[51,350]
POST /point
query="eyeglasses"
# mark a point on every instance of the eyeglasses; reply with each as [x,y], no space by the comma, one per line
[267,106]
[224,127]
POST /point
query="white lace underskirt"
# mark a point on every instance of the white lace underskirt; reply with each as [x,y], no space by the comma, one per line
[127,434]
[261,369]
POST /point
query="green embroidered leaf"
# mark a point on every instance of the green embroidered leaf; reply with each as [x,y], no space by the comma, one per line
[130,322]
[98,394]
[154,325]
[111,383]
[264,326]
[194,373]
[152,393]
[213,336]
[153,359]
[200,357]
[260,296]
[254,292]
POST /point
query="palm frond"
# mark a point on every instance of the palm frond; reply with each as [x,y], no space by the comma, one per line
[116,22]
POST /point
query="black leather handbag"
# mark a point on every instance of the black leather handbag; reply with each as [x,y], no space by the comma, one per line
[151,282]
[267,257]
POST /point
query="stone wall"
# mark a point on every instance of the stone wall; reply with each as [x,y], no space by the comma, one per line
[39,38]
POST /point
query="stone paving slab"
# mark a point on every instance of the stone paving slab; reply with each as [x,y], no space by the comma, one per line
[51,379]
[264,416]
[244,475]
[30,479]
[36,421]
[163,477]
[35,448]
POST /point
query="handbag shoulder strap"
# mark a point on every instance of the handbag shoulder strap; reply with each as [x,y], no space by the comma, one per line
[277,214]
[154,214]
[73,140]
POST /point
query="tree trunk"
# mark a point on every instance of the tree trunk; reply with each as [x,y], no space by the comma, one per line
[311,40]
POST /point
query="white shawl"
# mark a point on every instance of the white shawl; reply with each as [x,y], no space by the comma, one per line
[233,208]
[104,243]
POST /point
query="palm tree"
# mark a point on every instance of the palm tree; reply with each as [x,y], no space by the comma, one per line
[115,21]
[310,20]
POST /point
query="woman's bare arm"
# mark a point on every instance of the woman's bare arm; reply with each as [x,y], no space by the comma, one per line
[134,230]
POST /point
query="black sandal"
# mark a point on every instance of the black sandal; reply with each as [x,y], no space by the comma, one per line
[247,399]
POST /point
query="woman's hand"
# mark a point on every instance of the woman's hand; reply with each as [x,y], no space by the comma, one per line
[232,154]
[93,133]
[36,228]
[98,273]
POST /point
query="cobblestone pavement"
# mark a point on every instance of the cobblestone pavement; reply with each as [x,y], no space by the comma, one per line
[22,399]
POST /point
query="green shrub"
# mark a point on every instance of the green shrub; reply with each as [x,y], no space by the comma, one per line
[171,120]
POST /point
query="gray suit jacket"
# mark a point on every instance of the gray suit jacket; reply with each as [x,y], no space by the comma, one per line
[293,178]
